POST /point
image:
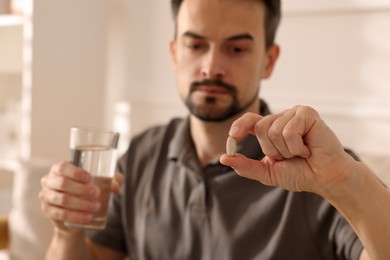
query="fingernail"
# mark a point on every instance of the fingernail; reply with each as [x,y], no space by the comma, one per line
[235,129]
[87,217]
[85,177]
[93,191]
[94,206]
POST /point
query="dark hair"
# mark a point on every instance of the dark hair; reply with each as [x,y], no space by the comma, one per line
[272,17]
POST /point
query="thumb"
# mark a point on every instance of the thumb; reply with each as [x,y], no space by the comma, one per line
[117,182]
[248,168]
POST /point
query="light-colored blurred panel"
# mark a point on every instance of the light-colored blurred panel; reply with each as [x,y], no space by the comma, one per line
[310,6]
[338,63]
[11,44]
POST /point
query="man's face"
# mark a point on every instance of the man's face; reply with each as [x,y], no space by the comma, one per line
[219,56]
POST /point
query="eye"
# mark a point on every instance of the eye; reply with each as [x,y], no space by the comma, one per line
[195,46]
[236,49]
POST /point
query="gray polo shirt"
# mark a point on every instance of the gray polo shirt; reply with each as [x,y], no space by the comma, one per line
[172,208]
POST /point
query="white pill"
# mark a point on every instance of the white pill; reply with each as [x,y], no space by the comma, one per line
[231,146]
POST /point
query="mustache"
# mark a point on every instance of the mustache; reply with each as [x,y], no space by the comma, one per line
[213,82]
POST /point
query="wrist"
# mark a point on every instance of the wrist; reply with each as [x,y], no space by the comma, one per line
[68,243]
[344,175]
[354,192]
[62,231]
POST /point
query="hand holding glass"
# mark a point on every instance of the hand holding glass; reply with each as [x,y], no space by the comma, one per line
[95,151]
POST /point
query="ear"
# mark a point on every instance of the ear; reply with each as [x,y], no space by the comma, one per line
[172,50]
[272,55]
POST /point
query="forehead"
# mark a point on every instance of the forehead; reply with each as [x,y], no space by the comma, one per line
[219,19]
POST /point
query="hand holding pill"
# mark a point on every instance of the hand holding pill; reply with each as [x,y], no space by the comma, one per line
[301,152]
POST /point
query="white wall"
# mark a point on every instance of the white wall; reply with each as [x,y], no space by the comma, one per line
[140,74]
[338,62]
[10,84]
[68,72]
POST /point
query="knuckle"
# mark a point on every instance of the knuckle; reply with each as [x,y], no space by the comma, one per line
[288,135]
[48,210]
[54,213]
[245,118]
[43,181]
[307,110]
[44,209]
[61,183]
[274,155]
[41,196]
[249,114]
[61,215]
[53,168]
[273,133]
[61,198]
[61,166]
[260,127]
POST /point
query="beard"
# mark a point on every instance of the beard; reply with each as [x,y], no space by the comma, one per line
[208,110]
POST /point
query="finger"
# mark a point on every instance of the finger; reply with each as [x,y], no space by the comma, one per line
[272,132]
[67,201]
[60,183]
[244,125]
[263,135]
[117,182]
[294,133]
[248,168]
[68,170]
[61,214]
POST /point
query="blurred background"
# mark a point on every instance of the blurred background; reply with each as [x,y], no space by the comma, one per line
[105,63]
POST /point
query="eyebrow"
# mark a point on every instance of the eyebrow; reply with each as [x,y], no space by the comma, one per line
[243,36]
[238,37]
[193,35]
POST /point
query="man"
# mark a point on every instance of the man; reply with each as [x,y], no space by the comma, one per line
[177,201]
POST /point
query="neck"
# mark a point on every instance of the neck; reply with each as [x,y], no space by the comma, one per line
[210,137]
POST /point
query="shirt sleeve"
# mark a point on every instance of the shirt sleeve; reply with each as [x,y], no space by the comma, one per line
[347,243]
[332,233]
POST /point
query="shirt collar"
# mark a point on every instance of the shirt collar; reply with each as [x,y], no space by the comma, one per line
[182,148]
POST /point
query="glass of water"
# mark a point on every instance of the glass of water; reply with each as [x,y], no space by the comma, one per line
[94,150]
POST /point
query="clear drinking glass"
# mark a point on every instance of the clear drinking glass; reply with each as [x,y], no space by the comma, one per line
[94,150]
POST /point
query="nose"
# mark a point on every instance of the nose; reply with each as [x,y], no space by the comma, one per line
[213,65]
